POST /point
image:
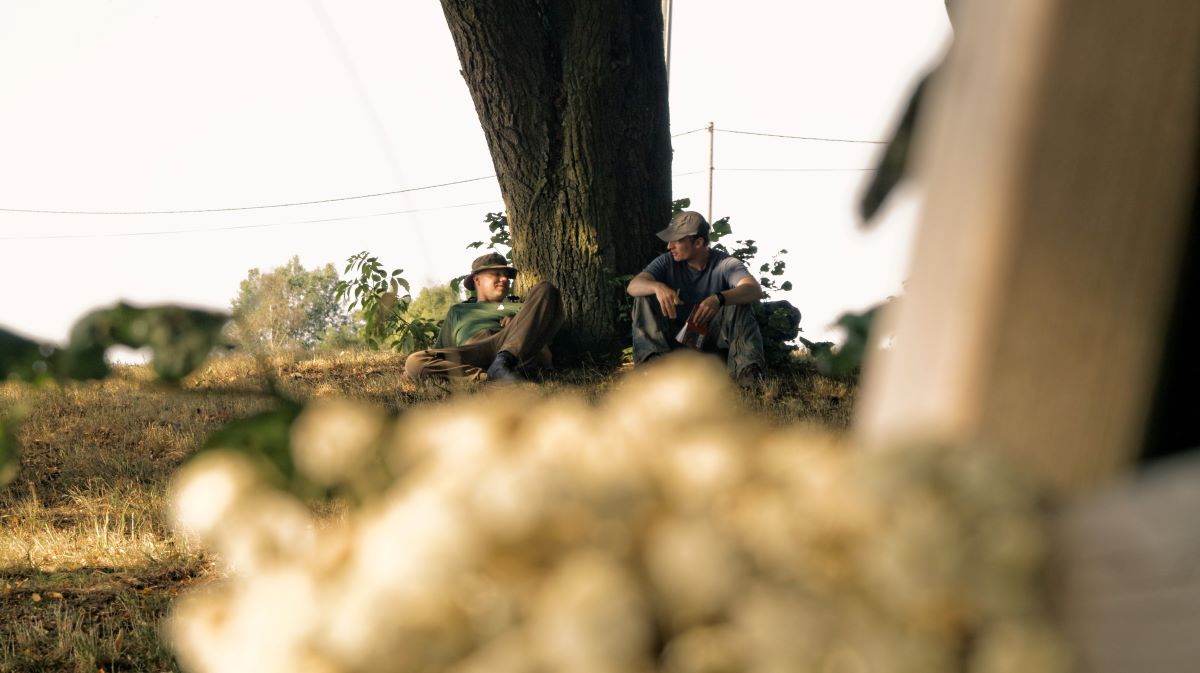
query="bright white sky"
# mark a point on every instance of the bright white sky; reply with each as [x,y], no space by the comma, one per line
[136,105]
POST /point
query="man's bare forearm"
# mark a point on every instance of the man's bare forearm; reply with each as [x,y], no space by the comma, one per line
[746,293]
[641,286]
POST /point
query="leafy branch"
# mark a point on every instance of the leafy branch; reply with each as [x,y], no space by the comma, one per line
[375,291]
[845,361]
[500,241]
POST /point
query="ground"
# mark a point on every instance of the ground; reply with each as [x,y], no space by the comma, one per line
[88,564]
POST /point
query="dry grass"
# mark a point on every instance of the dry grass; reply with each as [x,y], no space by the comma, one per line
[88,564]
[88,618]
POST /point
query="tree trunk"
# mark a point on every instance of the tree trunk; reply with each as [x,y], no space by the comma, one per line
[572,96]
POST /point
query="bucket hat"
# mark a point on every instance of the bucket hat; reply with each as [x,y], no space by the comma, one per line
[488,262]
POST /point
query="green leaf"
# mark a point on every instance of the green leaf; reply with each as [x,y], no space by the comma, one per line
[404,283]
[265,435]
[819,348]
[846,360]
[721,227]
[787,285]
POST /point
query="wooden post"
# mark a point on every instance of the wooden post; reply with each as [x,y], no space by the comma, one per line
[1058,159]
[666,10]
[711,136]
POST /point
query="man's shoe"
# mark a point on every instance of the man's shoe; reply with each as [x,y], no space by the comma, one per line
[505,369]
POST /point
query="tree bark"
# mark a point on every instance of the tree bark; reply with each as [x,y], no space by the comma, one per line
[572,96]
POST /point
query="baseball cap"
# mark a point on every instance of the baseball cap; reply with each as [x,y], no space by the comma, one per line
[687,223]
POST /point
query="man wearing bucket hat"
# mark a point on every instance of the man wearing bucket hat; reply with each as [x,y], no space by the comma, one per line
[706,290]
[493,336]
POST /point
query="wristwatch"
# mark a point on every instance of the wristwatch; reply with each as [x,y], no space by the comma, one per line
[721,299]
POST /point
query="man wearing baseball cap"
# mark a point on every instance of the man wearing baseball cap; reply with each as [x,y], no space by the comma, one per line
[692,283]
[493,336]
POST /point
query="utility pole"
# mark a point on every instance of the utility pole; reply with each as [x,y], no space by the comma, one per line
[711,133]
[666,12]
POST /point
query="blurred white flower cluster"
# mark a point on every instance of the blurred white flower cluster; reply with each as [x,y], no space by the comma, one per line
[662,529]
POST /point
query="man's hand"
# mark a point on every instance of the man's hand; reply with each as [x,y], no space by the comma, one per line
[505,320]
[668,299]
[644,285]
[705,310]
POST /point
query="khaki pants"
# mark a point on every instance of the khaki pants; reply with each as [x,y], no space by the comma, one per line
[527,336]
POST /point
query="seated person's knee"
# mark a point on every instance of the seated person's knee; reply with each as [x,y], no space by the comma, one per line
[543,287]
[414,364]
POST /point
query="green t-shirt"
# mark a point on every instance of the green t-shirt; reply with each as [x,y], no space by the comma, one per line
[467,319]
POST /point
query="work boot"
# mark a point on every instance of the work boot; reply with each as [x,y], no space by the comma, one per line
[505,369]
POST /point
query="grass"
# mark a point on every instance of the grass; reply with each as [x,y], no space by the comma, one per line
[88,564]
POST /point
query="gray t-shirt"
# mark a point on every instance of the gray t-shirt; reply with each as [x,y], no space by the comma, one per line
[721,273]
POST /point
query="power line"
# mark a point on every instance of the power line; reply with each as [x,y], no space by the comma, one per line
[187,211]
[814,138]
[364,100]
[199,230]
[237,208]
[798,170]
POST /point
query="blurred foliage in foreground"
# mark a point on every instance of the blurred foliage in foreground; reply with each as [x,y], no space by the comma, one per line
[526,533]
[180,340]
[845,361]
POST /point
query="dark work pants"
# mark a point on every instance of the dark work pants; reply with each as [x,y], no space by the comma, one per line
[733,330]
